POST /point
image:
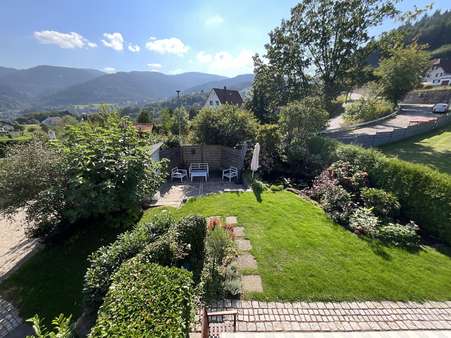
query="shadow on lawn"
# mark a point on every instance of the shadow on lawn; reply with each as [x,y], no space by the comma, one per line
[380,249]
[422,154]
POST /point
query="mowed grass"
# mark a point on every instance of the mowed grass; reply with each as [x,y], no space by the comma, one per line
[51,281]
[303,255]
[432,149]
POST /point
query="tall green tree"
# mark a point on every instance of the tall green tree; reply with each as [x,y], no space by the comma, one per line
[322,42]
[402,70]
[144,117]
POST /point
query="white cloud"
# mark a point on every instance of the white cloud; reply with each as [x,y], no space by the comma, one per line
[114,41]
[214,20]
[109,70]
[133,48]
[154,66]
[167,46]
[226,63]
[63,40]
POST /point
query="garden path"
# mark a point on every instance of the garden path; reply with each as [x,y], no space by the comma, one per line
[255,316]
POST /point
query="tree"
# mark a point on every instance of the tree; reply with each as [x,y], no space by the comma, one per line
[299,121]
[143,117]
[96,170]
[323,41]
[228,125]
[402,71]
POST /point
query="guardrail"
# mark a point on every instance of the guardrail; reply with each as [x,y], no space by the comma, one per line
[359,125]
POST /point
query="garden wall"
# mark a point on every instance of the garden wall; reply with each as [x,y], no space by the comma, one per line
[396,135]
[431,96]
[218,157]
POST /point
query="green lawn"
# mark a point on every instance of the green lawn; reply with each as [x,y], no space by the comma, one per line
[432,149]
[51,282]
[302,255]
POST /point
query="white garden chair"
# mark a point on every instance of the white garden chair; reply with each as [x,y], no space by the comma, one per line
[230,173]
[178,174]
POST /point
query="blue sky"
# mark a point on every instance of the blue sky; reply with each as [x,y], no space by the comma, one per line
[122,35]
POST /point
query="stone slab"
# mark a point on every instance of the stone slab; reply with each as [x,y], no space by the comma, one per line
[246,261]
[232,220]
[243,244]
[238,232]
[251,283]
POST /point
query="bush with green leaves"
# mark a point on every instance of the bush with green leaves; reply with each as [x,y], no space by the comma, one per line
[61,325]
[349,176]
[220,277]
[104,262]
[367,110]
[227,125]
[269,138]
[363,222]
[146,300]
[99,169]
[424,193]
[384,204]
[299,121]
[399,235]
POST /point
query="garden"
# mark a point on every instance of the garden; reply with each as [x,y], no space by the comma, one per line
[327,221]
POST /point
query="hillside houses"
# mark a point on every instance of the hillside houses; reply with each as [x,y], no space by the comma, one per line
[439,74]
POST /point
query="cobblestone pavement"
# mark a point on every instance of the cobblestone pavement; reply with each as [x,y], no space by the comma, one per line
[9,318]
[254,316]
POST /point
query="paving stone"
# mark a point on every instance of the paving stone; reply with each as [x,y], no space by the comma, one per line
[243,244]
[238,232]
[251,283]
[232,220]
[246,261]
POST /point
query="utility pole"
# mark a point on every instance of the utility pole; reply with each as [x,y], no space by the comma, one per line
[179,117]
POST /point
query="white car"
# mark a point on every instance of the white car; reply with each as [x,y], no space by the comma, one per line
[440,108]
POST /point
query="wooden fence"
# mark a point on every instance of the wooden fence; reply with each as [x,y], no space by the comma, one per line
[218,157]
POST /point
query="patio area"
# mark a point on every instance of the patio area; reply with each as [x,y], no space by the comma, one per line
[175,193]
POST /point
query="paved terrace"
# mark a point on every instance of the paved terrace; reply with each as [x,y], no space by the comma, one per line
[255,316]
[175,193]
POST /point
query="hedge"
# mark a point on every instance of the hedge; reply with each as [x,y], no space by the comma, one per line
[107,259]
[163,241]
[146,300]
[424,193]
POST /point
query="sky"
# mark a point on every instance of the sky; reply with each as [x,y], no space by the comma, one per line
[169,36]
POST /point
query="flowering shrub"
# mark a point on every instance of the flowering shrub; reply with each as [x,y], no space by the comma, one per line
[363,222]
[348,175]
[399,235]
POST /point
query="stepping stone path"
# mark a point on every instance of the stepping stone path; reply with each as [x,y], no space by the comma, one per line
[245,260]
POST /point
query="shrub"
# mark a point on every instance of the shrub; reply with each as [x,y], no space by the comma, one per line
[384,204]
[337,202]
[96,170]
[61,324]
[191,232]
[269,138]
[107,259]
[424,193]
[258,187]
[228,125]
[363,222]
[367,110]
[275,187]
[219,278]
[348,175]
[399,235]
[146,300]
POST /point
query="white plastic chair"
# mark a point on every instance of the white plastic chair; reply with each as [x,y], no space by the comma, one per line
[230,173]
[178,173]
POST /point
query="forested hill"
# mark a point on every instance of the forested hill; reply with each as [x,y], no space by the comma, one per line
[434,30]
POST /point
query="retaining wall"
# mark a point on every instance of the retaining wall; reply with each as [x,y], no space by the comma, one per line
[396,135]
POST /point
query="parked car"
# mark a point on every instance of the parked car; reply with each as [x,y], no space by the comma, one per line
[440,108]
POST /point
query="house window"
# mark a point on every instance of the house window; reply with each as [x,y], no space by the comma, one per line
[211,102]
[217,102]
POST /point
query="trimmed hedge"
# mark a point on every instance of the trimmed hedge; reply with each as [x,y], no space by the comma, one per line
[146,300]
[163,241]
[107,259]
[424,193]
